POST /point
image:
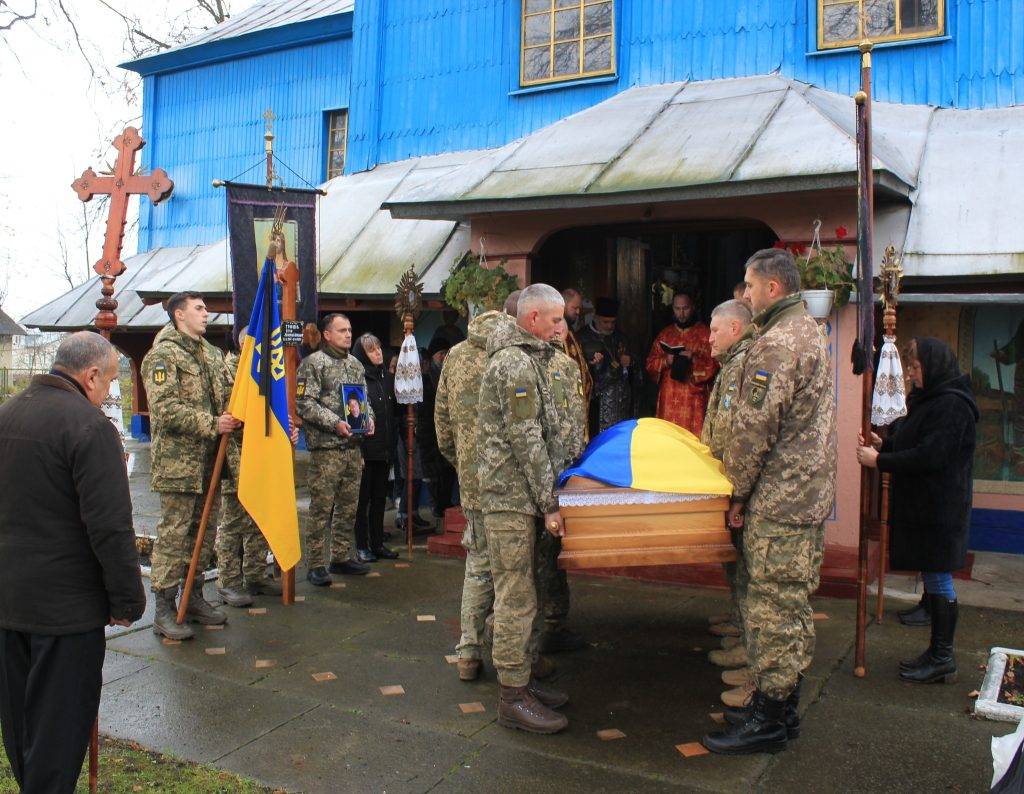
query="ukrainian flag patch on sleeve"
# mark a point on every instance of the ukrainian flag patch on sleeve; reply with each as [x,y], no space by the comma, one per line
[759,387]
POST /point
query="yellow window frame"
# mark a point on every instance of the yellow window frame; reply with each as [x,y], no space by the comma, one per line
[333,117]
[897,36]
[581,39]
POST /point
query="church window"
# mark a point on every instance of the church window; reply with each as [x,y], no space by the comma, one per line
[337,134]
[566,39]
[844,23]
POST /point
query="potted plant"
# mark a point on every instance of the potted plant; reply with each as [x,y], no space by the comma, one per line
[826,275]
[473,287]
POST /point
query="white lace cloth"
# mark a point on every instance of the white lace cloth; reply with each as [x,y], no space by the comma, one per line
[889,400]
[625,497]
[408,376]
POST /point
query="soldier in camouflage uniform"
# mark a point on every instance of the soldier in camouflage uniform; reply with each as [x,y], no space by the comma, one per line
[241,547]
[781,459]
[520,454]
[335,460]
[455,417]
[566,385]
[729,337]
[185,385]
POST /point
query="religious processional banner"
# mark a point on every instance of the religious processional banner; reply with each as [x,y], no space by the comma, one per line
[652,455]
[266,477]
[279,223]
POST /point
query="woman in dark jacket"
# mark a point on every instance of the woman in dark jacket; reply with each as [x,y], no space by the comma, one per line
[377,451]
[930,455]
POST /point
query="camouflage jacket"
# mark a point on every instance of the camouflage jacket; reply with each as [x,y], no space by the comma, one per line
[186,389]
[567,391]
[458,398]
[724,395]
[520,448]
[318,397]
[781,454]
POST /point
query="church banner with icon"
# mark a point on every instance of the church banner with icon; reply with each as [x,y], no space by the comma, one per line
[277,224]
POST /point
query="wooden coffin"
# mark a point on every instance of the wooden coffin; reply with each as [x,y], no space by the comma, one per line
[609,527]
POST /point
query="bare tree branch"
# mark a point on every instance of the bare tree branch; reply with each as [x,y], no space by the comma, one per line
[78,39]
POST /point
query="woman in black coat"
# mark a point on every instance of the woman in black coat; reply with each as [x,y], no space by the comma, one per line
[930,455]
[377,452]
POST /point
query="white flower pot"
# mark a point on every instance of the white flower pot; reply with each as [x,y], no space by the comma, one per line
[819,302]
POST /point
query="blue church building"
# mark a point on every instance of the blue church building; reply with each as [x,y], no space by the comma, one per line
[614,146]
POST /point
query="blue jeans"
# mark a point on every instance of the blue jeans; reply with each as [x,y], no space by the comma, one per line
[939,584]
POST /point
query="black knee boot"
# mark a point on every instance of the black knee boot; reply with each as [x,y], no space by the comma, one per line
[938,662]
[919,614]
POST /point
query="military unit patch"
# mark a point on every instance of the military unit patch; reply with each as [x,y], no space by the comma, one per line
[160,374]
[759,388]
[300,387]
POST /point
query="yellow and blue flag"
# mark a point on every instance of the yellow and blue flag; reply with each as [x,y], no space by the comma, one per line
[266,479]
[652,455]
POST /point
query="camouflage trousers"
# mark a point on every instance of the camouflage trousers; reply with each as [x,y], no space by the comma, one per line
[241,547]
[552,584]
[736,576]
[176,538]
[511,542]
[477,587]
[334,478]
[783,563]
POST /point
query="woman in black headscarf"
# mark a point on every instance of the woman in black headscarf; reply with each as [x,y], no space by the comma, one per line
[930,454]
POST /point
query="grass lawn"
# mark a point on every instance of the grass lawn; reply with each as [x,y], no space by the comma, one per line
[127,767]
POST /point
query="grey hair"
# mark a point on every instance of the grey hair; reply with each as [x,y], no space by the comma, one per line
[569,293]
[778,265]
[733,309]
[537,295]
[82,350]
[512,302]
[368,342]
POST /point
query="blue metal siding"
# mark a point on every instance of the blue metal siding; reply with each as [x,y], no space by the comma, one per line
[442,75]
[207,123]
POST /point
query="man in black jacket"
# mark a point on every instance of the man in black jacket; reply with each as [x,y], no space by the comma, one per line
[68,564]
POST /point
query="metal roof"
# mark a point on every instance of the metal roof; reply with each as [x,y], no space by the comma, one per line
[363,253]
[679,141]
[265,15]
[8,327]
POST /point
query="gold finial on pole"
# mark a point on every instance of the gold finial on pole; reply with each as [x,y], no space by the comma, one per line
[268,144]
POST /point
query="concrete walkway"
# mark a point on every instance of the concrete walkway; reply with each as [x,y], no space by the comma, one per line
[645,674]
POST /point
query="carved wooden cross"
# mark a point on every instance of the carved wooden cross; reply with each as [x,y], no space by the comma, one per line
[121,184]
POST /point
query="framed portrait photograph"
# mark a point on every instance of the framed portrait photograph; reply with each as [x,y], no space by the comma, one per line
[354,399]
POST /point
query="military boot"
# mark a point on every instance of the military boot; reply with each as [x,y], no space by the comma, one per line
[469,669]
[729,629]
[199,609]
[263,586]
[562,639]
[734,657]
[543,668]
[737,677]
[166,616]
[548,695]
[519,709]
[235,597]
[728,643]
[763,731]
[721,617]
[735,716]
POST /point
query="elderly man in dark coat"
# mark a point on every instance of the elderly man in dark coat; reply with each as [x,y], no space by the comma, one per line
[930,454]
[68,564]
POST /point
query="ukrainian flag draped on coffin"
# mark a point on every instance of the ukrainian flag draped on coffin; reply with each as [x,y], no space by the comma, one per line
[652,455]
[266,480]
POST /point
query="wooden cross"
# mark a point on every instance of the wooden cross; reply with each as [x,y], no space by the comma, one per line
[119,185]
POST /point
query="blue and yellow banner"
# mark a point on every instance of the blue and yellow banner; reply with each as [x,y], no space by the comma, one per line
[652,455]
[266,479]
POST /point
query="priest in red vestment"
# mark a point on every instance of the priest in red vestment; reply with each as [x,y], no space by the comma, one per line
[680,362]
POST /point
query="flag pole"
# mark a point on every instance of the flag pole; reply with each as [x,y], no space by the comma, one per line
[289,278]
[865,229]
[211,491]
[408,303]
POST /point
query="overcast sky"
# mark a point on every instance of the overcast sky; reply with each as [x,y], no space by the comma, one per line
[54,122]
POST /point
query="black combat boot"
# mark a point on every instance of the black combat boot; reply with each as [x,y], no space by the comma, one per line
[938,663]
[918,615]
[560,640]
[263,586]
[165,621]
[384,553]
[519,709]
[349,568]
[735,716]
[318,576]
[762,732]
[200,610]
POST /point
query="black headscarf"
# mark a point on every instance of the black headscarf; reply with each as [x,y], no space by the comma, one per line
[940,373]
